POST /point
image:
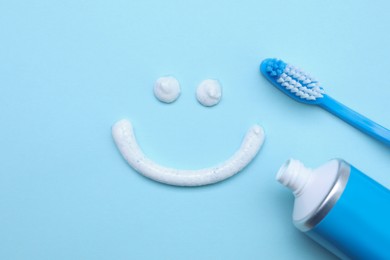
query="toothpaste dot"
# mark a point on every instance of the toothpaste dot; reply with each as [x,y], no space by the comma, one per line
[209,92]
[167,89]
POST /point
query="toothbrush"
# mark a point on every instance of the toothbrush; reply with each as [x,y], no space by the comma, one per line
[303,88]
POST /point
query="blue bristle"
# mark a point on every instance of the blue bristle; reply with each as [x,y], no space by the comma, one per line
[275,67]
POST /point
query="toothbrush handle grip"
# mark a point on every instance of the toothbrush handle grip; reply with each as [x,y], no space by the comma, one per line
[357,120]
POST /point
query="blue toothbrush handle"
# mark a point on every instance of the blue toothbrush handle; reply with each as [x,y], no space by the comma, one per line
[355,119]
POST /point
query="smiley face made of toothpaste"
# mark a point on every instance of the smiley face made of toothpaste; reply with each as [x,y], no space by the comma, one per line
[167,89]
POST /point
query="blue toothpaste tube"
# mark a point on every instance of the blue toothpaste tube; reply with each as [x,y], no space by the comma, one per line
[340,207]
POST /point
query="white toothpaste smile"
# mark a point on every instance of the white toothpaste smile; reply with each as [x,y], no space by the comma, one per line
[125,140]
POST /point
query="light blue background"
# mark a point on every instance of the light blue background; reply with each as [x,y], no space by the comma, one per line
[70,69]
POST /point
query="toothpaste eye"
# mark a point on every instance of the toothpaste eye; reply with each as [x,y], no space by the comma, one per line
[167,89]
[209,92]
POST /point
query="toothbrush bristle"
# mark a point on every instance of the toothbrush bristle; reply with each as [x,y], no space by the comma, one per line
[294,80]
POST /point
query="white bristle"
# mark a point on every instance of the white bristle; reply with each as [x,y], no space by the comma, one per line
[293,82]
[300,83]
[310,92]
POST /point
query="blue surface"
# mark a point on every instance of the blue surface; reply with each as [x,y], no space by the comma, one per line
[358,224]
[70,69]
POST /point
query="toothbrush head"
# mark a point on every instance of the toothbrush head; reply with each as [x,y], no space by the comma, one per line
[292,81]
